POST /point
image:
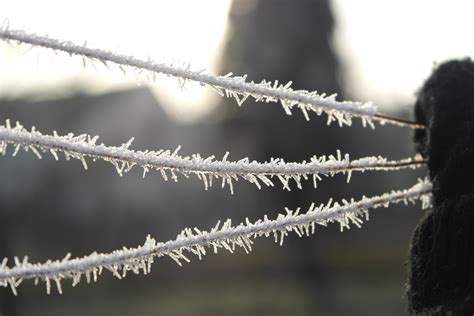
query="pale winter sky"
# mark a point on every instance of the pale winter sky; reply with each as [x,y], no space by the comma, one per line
[387,47]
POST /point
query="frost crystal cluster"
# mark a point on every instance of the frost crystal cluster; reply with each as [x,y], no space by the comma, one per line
[195,241]
[231,86]
[170,164]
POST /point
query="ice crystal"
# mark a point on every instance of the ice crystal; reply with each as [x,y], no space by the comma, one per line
[228,85]
[197,242]
[170,164]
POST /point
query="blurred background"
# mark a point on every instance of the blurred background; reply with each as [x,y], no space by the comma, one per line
[364,50]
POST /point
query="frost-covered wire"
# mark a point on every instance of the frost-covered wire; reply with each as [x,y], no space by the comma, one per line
[231,86]
[169,163]
[195,241]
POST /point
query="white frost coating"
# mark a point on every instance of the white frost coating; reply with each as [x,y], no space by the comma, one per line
[228,85]
[170,163]
[195,241]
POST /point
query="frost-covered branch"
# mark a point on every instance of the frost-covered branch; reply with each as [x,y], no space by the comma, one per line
[195,241]
[231,86]
[207,169]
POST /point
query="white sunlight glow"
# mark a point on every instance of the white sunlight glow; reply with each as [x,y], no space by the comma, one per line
[180,31]
[388,48]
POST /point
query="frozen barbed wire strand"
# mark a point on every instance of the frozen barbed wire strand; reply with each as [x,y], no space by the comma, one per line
[170,163]
[195,241]
[231,86]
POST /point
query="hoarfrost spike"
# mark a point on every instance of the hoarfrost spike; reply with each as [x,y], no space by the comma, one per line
[124,159]
[236,87]
[225,236]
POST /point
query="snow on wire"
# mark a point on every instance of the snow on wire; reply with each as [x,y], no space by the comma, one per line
[207,169]
[195,241]
[231,86]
